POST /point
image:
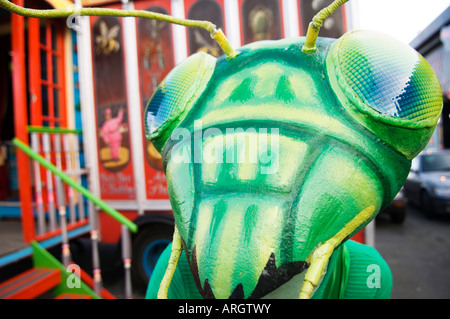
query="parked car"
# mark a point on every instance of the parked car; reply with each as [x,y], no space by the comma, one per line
[428,183]
[396,210]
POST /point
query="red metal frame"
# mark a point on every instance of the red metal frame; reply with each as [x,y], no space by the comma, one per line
[57,112]
[54,33]
[21,119]
[35,71]
[57,232]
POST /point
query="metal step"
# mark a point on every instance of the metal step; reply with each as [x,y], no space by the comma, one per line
[30,284]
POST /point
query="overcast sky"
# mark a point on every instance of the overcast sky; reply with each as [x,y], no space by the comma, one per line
[402,19]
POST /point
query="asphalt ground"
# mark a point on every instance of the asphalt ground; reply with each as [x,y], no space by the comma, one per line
[418,253]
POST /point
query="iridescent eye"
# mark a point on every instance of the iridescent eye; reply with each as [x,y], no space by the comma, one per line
[387,75]
[175,93]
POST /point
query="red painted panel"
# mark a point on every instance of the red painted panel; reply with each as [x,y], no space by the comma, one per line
[113,135]
[359,237]
[155,60]
[110,229]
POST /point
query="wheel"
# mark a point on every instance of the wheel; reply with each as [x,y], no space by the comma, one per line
[147,247]
[427,205]
[399,217]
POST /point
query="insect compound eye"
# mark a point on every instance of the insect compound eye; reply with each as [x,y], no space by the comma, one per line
[388,76]
[177,93]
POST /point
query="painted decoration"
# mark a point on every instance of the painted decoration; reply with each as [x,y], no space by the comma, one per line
[261,20]
[334,25]
[114,147]
[199,39]
[155,60]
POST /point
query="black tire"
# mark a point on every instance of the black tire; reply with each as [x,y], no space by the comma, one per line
[148,245]
[427,205]
[399,217]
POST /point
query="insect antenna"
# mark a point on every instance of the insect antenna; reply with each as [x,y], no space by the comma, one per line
[172,265]
[314,26]
[321,255]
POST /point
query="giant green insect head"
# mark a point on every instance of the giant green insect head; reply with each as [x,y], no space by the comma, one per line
[278,154]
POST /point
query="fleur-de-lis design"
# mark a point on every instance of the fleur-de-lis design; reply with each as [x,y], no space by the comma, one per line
[106,42]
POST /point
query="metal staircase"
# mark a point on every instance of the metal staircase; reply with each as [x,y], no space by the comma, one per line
[49,278]
[48,275]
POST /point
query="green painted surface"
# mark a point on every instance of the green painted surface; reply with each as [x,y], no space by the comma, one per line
[43,259]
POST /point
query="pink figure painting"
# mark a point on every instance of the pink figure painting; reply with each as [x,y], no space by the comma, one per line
[110,132]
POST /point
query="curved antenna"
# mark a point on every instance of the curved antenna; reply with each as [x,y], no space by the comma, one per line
[172,265]
[320,256]
[314,26]
[215,33]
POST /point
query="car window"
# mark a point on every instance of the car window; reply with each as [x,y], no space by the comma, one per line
[436,162]
[415,164]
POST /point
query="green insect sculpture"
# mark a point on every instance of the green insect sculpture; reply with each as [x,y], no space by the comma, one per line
[274,157]
[277,153]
